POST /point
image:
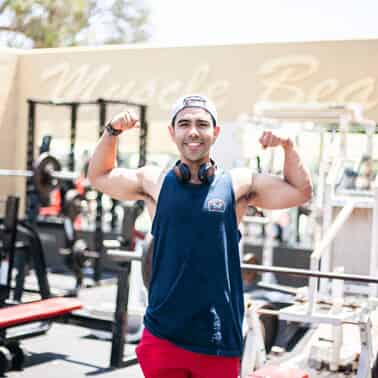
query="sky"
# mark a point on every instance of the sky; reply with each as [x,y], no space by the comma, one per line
[203,22]
[182,22]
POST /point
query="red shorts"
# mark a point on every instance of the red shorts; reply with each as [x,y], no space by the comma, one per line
[160,358]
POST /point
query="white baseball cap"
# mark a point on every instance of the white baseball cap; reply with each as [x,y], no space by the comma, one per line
[194,101]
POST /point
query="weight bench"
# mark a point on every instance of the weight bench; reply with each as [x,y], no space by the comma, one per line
[45,309]
[11,354]
[13,315]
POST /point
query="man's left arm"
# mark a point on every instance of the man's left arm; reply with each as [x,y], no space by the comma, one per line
[273,192]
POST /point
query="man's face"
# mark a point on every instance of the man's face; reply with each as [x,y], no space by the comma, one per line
[194,133]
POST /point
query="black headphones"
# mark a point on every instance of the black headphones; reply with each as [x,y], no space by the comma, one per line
[206,172]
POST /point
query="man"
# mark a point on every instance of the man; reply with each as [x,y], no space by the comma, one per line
[195,311]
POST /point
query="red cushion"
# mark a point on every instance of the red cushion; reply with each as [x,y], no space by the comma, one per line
[279,372]
[40,310]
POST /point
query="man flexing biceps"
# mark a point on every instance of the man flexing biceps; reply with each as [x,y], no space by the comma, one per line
[193,322]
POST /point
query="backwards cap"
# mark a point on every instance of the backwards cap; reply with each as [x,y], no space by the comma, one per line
[194,101]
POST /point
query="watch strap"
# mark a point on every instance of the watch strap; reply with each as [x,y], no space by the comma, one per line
[111,130]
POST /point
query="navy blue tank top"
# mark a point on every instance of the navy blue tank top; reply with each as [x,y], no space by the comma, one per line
[195,295]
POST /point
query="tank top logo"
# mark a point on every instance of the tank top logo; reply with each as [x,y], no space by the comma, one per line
[216,204]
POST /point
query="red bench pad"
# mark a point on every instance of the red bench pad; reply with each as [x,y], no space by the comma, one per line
[279,372]
[39,310]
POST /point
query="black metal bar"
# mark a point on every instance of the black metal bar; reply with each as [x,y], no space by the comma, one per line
[32,197]
[62,103]
[120,317]
[74,108]
[7,247]
[309,273]
[85,320]
[99,234]
[114,220]
[129,361]
[10,222]
[21,263]
[143,136]
[121,102]
[78,102]
[30,138]
[39,262]
[102,115]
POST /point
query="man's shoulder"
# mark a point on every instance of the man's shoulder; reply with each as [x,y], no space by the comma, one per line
[152,178]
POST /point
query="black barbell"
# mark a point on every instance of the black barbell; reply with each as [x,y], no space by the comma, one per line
[46,173]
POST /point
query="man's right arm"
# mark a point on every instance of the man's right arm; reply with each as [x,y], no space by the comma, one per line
[103,175]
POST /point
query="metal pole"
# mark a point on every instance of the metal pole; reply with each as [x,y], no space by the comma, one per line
[120,317]
[71,163]
[60,175]
[143,136]
[310,273]
[32,198]
[30,137]
[10,222]
[99,235]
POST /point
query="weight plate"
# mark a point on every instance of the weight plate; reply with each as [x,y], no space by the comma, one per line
[44,168]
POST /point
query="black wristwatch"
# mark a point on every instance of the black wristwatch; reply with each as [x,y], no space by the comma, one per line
[111,130]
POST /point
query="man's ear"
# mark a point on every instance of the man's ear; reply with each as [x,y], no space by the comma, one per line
[171,130]
[217,130]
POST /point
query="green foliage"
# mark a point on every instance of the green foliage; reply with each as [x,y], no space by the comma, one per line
[59,23]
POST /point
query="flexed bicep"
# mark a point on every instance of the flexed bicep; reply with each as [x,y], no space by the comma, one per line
[121,184]
[272,192]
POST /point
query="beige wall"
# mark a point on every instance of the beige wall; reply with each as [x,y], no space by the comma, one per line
[8,115]
[235,76]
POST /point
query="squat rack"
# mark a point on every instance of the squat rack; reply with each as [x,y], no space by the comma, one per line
[33,202]
[101,103]
[345,115]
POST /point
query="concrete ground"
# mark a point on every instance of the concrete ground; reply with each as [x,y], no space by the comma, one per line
[71,351]
[68,351]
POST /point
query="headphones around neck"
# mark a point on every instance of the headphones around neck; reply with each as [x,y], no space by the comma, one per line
[206,172]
